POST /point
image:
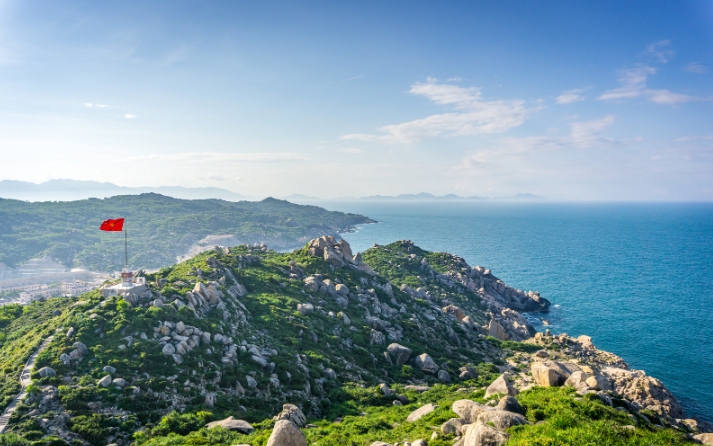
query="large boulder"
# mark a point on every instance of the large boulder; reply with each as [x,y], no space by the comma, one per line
[546,376]
[443,376]
[420,412]
[480,434]
[501,419]
[400,353]
[332,257]
[292,413]
[286,433]
[424,363]
[232,424]
[468,410]
[501,386]
[496,330]
[576,379]
[105,382]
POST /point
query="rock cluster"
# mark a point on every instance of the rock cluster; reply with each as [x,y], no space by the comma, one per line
[336,253]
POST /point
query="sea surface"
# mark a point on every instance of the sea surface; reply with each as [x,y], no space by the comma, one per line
[637,278]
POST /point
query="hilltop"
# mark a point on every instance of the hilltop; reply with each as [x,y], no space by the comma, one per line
[160,228]
[394,344]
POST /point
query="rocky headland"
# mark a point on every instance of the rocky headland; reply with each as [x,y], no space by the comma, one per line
[322,345]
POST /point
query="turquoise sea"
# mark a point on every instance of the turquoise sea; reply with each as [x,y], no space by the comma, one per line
[638,278]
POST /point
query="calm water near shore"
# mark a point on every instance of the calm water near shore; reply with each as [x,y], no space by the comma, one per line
[638,278]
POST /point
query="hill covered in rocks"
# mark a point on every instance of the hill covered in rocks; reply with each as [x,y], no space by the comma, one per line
[323,346]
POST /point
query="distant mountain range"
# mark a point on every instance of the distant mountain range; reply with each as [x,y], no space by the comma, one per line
[69,190]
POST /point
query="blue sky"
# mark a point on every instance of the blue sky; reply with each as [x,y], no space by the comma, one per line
[598,101]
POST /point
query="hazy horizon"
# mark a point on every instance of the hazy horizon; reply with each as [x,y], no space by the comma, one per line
[602,102]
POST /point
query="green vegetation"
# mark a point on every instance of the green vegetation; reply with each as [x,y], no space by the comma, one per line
[165,403]
[160,228]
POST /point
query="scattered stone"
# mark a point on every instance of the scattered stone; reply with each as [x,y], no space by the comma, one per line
[420,412]
[443,376]
[400,353]
[467,372]
[386,390]
[232,424]
[105,382]
[168,349]
[251,381]
[305,308]
[119,382]
[424,363]
[47,371]
[500,386]
[109,369]
[71,332]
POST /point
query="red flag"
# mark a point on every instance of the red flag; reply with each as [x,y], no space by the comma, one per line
[112,225]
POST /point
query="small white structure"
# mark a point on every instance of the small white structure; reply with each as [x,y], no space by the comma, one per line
[128,284]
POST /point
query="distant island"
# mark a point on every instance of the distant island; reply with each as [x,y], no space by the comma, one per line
[420,197]
[69,190]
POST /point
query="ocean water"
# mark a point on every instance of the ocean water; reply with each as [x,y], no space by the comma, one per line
[637,278]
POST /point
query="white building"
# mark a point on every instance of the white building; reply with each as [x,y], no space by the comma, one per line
[128,284]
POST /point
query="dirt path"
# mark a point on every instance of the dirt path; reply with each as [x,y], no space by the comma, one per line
[25,381]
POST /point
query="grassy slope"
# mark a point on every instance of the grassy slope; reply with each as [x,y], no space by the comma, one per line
[160,228]
[363,415]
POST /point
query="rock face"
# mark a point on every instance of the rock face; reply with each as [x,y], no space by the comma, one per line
[424,363]
[292,413]
[501,386]
[420,412]
[232,424]
[400,353]
[479,434]
[338,254]
[286,433]
[706,439]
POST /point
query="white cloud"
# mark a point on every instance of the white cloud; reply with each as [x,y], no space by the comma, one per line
[660,51]
[475,115]
[352,78]
[696,67]
[633,85]
[582,135]
[350,150]
[129,116]
[90,105]
[569,96]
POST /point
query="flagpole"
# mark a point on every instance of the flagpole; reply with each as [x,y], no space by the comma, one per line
[126,250]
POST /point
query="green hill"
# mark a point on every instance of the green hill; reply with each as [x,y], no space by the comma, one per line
[160,228]
[357,342]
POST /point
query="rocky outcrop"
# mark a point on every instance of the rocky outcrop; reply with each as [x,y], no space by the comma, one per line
[292,413]
[468,410]
[501,419]
[337,253]
[424,363]
[399,353]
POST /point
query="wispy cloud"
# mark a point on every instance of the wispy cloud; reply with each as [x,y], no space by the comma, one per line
[211,157]
[660,51]
[90,105]
[633,84]
[350,150]
[570,96]
[129,116]
[582,135]
[696,67]
[352,78]
[474,116]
